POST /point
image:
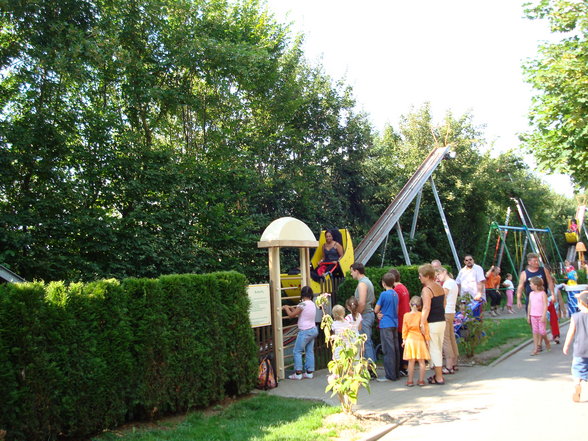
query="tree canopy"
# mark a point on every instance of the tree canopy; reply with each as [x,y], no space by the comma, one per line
[149,137]
[559,139]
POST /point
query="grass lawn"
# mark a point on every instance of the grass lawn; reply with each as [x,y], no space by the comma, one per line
[502,336]
[261,417]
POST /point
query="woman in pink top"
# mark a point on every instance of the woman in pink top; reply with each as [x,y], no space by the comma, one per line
[537,313]
[307,333]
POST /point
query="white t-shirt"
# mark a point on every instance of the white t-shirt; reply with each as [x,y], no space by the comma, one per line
[468,279]
[354,323]
[451,296]
[508,284]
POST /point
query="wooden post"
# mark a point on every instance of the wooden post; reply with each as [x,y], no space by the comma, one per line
[276,302]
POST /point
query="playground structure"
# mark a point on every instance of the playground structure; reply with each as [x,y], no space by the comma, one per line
[290,232]
[8,276]
[574,232]
[525,238]
[391,216]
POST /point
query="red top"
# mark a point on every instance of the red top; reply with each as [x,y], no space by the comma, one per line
[403,302]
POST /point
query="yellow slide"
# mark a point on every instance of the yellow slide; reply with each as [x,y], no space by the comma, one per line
[291,282]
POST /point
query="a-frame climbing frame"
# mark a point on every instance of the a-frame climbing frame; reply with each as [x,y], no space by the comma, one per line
[391,216]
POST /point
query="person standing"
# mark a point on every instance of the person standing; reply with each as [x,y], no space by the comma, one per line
[509,292]
[534,269]
[450,350]
[470,279]
[387,311]
[364,293]
[578,333]
[307,333]
[403,308]
[433,313]
[492,287]
[537,313]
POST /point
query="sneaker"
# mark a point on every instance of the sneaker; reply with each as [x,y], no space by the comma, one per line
[295,376]
[382,379]
[308,375]
[403,373]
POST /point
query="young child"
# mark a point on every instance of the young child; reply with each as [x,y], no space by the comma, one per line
[387,311]
[578,332]
[353,317]
[403,308]
[415,342]
[537,313]
[509,292]
[339,326]
[307,333]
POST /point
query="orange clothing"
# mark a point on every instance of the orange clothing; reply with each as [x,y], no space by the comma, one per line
[493,281]
[415,346]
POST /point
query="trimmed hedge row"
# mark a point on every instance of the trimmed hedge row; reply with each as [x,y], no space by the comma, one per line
[409,277]
[77,359]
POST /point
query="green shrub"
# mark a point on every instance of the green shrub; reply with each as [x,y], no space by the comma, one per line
[409,276]
[81,358]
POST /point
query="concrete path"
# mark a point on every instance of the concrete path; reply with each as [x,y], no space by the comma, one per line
[522,397]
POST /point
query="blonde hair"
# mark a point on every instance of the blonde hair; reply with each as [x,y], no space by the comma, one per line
[417,301]
[338,312]
[427,271]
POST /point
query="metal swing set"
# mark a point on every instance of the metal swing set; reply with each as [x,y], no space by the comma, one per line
[525,238]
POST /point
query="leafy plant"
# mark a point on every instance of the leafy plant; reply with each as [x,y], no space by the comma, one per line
[349,370]
[474,332]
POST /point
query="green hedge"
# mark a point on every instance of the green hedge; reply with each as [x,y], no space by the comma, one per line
[409,277]
[77,359]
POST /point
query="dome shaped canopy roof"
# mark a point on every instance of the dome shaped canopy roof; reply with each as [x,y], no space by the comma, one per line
[287,232]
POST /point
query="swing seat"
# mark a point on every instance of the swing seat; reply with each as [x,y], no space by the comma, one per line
[572,237]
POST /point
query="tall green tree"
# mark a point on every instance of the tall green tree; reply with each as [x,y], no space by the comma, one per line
[146,137]
[559,73]
[475,188]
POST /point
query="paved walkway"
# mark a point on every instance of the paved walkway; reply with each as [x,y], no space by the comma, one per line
[523,397]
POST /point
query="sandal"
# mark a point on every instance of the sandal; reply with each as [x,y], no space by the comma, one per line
[447,371]
[433,380]
[421,383]
[409,383]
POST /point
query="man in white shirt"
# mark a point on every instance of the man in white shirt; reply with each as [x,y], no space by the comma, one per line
[471,279]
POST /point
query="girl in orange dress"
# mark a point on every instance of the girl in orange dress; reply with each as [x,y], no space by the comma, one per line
[415,342]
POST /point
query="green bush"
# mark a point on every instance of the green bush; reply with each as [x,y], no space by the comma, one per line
[81,358]
[409,276]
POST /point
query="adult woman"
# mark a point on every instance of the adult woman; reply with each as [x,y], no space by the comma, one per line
[433,313]
[307,333]
[332,252]
[450,351]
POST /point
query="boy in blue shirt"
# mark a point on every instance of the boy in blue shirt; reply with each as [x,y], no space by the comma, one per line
[387,311]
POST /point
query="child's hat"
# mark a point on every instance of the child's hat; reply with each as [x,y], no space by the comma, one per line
[583,297]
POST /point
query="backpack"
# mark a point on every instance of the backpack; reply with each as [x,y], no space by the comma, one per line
[266,378]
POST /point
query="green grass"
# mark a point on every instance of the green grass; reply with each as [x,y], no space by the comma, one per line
[262,417]
[506,333]
[501,332]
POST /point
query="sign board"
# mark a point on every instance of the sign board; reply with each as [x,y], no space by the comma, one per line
[260,311]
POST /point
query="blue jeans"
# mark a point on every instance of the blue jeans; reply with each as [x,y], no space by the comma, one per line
[367,325]
[305,343]
[389,339]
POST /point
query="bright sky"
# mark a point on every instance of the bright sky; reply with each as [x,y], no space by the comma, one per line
[459,55]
